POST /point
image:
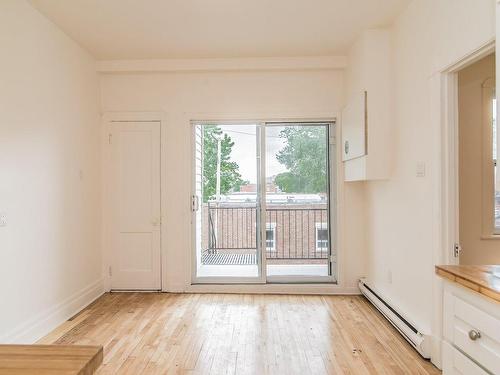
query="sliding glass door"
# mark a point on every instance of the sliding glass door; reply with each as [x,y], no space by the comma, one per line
[297,203]
[261,204]
[227,202]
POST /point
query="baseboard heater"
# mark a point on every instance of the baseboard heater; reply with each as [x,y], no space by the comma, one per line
[420,341]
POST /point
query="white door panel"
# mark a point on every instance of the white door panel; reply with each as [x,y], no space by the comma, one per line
[135,204]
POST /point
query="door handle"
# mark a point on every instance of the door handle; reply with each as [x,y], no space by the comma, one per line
[156,222]
[195,203]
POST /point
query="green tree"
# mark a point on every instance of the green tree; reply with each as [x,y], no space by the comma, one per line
[305,157]
[230,177]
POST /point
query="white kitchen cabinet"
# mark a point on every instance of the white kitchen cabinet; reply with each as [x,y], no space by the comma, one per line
[471,330]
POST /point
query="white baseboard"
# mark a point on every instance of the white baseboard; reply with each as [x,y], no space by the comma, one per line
[44,322]
[175,288]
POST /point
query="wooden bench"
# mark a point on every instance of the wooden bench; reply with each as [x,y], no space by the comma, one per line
[49,359]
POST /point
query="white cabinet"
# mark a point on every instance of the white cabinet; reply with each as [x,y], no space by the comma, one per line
[354,127]
[471,332]
[367,116]
[456,363]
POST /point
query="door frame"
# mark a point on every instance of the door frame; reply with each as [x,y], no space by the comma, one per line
[335,193]
[444,101]
[106,120]
[448,77]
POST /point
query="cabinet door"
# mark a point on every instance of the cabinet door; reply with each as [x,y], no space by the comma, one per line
[354,127]
[455,363]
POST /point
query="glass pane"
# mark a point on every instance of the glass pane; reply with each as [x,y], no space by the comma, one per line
[322,235]
[227,218]
[297,199]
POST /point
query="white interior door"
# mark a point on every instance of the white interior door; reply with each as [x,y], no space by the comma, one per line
[135,205]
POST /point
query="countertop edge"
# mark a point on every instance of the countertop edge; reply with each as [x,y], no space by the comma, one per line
[467,282]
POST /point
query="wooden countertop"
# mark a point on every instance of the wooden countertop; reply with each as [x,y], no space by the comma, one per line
[478,278]
[49,359]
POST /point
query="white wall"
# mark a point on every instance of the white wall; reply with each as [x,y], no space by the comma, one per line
[404,211]
[222,95]
[50,261]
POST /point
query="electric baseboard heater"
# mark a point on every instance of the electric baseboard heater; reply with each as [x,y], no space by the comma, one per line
[420,341]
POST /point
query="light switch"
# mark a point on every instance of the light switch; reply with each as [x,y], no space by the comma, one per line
[3,219]
[421,169]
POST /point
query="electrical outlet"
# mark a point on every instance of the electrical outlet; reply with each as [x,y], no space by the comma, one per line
[3,219]
[420,170]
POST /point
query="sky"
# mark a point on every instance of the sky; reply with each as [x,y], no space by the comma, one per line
[244,150]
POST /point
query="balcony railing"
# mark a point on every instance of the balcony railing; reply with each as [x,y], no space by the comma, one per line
[293,232]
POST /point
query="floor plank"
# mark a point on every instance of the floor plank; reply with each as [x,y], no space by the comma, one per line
[161,333]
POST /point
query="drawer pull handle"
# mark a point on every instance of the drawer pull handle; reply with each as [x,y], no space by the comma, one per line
[474,335]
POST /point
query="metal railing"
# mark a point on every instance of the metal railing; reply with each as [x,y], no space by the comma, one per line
[292,231]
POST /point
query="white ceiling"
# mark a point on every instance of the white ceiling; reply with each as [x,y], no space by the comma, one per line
[161,29]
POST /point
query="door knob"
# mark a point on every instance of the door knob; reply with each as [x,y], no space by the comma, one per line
[155,222]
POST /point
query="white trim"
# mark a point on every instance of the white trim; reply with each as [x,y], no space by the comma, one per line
[44,322]
[449,165]
[492,237]
[488,47]
[336,201]
[221,64]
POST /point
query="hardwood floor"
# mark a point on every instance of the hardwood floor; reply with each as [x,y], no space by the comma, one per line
[163,333]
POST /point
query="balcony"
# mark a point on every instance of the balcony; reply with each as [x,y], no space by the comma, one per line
[297,237]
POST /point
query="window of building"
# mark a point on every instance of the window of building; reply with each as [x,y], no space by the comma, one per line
[321,237]
[271,236]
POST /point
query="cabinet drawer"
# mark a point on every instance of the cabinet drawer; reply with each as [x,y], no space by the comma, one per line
[455,363]
[463,320]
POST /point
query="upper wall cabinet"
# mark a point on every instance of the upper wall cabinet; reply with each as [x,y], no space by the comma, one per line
[367,116]
[354,127]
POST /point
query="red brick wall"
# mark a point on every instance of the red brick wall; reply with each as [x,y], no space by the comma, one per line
[295,228]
